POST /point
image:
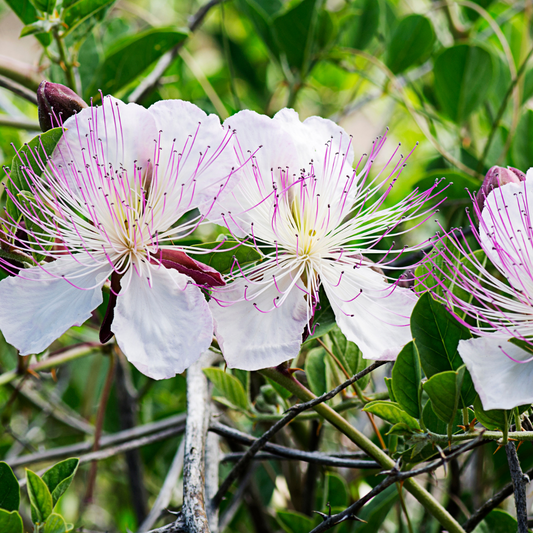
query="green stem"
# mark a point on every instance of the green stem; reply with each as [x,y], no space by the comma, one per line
[67,65]
[51,362]
[426,499]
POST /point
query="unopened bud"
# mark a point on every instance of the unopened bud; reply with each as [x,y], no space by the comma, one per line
[56,104]
[496,177]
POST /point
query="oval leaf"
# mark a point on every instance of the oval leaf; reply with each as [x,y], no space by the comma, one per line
[59,477]
[40,497]
[463,76]
[55,524]
[392,413]
[411,43]
[231,388]
[9,489]
[444,390]
[406,376]
[315,370]
[10,522]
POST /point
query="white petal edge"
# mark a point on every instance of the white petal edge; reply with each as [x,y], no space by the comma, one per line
[377,319]
[500,382]
[38,306]
[252,340]
[163,328]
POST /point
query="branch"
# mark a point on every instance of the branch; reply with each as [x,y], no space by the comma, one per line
[22,73]
[212,460]
[175,423]
[20,123]
[18,89]
[152,80]
[193,510]
[394,476]
[292,413]
[519,487]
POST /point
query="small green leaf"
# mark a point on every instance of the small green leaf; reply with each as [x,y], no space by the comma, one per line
[293,522]
[79,11]
[434,423]
[29,159]
[315,370]
[388,382]
[499,521]
[406,376]
[27,14]
[40,498]
[392,413]
[493,420]
[349,355]
[55,524]
[229,386]
[463,77]
[523,141]
[411,43]
[436,334]
[444,391]
[324,317]
[9,489]
[10,522]
[224,261]
[59,477]
[131,56]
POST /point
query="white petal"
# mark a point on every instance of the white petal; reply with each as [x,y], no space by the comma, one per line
[376,319]
[251,339]
[115,134]
[500,382]
[529,174]
[163,328]
[207,153]
[38,306]
[505,232]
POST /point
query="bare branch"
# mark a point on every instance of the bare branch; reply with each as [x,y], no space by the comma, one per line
[18,89]
[519,487]
[150,82]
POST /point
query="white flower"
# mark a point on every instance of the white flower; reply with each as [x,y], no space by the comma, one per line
[315,219]
[500,303]
[112,197]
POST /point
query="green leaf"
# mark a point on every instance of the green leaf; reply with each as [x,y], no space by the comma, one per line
[499,521]
[10,522]
[434,423]
[81,10]
[337,493]
[375,512]
[294,32]
[224,261]
[47,6]
[493,420]
[388,383]
[131,56]
[361,24]
[392,413]
[463,77]
[436,334]
[59,477]
[522,146]
[9,489]
[229,386]
[315,370]
[349,355]
[324,317]
[27,13]
[29,158]
[293,522]
[411,43]
[444,391]
[40,498]
[55,524]
[282,391]
[406,376]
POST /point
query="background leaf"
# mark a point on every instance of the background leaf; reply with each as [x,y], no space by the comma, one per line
[10,522]
[9,489]
[229,386]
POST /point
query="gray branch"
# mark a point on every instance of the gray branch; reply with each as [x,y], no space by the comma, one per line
[519,486]
[18,89]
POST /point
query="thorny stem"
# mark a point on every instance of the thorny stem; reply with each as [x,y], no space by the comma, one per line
[426,499]
[519,487]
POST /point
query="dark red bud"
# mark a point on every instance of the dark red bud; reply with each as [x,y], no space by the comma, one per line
[496,177]
[56,104]
[200,273]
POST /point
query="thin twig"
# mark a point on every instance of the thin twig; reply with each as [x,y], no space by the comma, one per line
[152,80]
[163,498]
[283,452]
[18,89]
[174,423]
[292,413]
[519,487]
[393,476]
[19,123]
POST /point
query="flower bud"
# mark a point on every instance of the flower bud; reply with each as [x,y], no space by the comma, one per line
[56,104]
[496,177]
